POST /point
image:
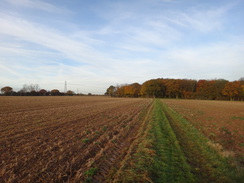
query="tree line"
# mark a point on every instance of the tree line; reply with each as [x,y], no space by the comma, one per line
[33,90]
[218,89]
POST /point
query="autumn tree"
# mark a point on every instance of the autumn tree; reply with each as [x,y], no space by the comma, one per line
[55,92]
[123,90]
[204,89]
[232,89]
[120,90]
[129,90]
[209,89]
[135,89]
[7,90]
[42,92]
[173,89]
[183,88]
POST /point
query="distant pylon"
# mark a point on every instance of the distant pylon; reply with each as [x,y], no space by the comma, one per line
[65,87]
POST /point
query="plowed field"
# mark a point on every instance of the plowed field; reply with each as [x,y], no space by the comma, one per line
[59,139]
[103,139]
[220,121]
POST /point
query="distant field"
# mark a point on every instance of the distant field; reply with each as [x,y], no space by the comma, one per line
[220,121]
[103,139]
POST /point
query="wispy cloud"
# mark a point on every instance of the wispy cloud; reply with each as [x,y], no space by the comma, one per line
[201,19]
[8,70]
[211,61]
[37,4]
[47,37]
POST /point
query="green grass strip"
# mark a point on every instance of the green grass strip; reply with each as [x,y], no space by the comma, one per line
[207,165]
[169,162]
[169,149]
[156,156]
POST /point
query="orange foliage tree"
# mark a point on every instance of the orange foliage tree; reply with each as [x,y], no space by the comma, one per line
[55,92]
[173,89]
[232,89]
[132,90]
[210,89]
[42,92]
[217,89]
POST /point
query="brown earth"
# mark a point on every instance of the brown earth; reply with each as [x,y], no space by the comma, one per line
[66,139]
[220,121]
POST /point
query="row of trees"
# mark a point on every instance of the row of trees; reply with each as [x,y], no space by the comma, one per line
[219,89]
[33,90]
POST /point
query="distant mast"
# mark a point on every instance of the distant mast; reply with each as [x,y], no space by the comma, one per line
[65,87]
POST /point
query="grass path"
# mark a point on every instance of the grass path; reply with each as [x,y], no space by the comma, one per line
[169,162]
[169,149]
[206,164]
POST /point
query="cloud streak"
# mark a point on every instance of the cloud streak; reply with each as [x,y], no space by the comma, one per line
[38,5]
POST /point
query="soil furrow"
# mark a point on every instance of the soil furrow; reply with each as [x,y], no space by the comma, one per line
[65,147]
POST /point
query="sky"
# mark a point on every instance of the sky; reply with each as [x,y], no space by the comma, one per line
[92,44]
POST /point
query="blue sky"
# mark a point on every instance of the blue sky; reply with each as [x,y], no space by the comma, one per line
[97,43]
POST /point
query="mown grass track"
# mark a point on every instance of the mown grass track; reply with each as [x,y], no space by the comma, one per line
[169,163]
[170,149]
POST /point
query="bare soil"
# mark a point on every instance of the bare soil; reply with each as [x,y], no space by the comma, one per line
[66,139]
[220,121]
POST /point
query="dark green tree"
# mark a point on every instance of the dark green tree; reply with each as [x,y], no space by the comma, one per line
[153,88]
[111,91]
